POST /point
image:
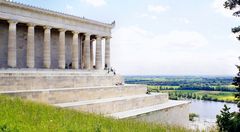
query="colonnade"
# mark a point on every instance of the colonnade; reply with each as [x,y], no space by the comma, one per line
[87,58]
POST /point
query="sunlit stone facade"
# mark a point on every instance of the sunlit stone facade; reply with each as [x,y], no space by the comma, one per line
[32,37]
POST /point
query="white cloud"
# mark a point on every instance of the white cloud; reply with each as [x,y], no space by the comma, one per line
[218,6]
[184,20]
[69,7]
[157,8]
[146,15]
[95,3]
[137,51]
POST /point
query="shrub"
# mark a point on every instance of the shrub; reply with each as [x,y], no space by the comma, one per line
[192,116]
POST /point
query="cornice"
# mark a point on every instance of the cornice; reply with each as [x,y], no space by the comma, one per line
[55,13]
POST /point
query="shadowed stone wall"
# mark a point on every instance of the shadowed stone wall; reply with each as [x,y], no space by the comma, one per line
[39,31]
[21,46]
[3,43]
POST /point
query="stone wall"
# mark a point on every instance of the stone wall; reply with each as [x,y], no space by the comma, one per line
[177,115]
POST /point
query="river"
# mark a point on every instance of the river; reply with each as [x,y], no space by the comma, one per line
[207,111]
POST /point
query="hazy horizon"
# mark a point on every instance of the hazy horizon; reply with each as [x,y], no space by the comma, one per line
[183,75]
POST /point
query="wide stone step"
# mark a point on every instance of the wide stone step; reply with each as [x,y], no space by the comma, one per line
[117,104]
[12,80]
[170,112]
[61,95]
[149,109]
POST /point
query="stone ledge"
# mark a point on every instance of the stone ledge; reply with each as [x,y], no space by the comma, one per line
[71,104]
[61,95]
[66,89]
[116,104]
[13,80]
[145,110]
[11,71]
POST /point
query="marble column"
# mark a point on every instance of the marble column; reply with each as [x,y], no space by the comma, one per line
[47,47]
[75,63]
[82,54]
[12,51]
[99,53]
[87,52]
[30,46]
[61,52]
[107,52]
[91,54]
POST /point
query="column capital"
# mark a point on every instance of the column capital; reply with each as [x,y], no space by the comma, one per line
[107,37]
[87,34]
[98,37]
[12,21]
[75,32]
[47,27]
[31,24]
[62,30]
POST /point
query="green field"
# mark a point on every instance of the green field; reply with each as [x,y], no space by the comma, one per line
[203,95]
[213,88]
[17,115]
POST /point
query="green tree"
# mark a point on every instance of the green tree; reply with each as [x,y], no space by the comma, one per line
[230,122]
[233,4]
[225,120]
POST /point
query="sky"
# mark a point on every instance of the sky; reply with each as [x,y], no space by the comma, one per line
[162,37]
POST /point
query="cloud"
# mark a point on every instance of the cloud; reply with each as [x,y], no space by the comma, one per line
[218,6]
[183,20]
[138,51]
[157,8]
[134,35]
[69,7]
[146,15]
[95,3]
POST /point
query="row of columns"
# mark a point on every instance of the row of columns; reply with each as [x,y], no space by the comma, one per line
[87,59]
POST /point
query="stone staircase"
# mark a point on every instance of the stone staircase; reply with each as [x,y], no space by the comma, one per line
[96,92]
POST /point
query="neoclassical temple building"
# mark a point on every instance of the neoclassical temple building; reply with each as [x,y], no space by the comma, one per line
[36,38]
[64,60]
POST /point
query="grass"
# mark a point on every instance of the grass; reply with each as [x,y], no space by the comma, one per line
[18,115]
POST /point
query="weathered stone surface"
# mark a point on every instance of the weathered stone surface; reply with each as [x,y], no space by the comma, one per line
[99,53]
[170,112]
[44,79]
[12,47]
[47,47]
[30,46]
[63,95]
[117,104]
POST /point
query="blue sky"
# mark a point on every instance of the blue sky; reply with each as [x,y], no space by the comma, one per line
[162,37]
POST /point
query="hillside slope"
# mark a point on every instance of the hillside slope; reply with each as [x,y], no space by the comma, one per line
[25,116]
